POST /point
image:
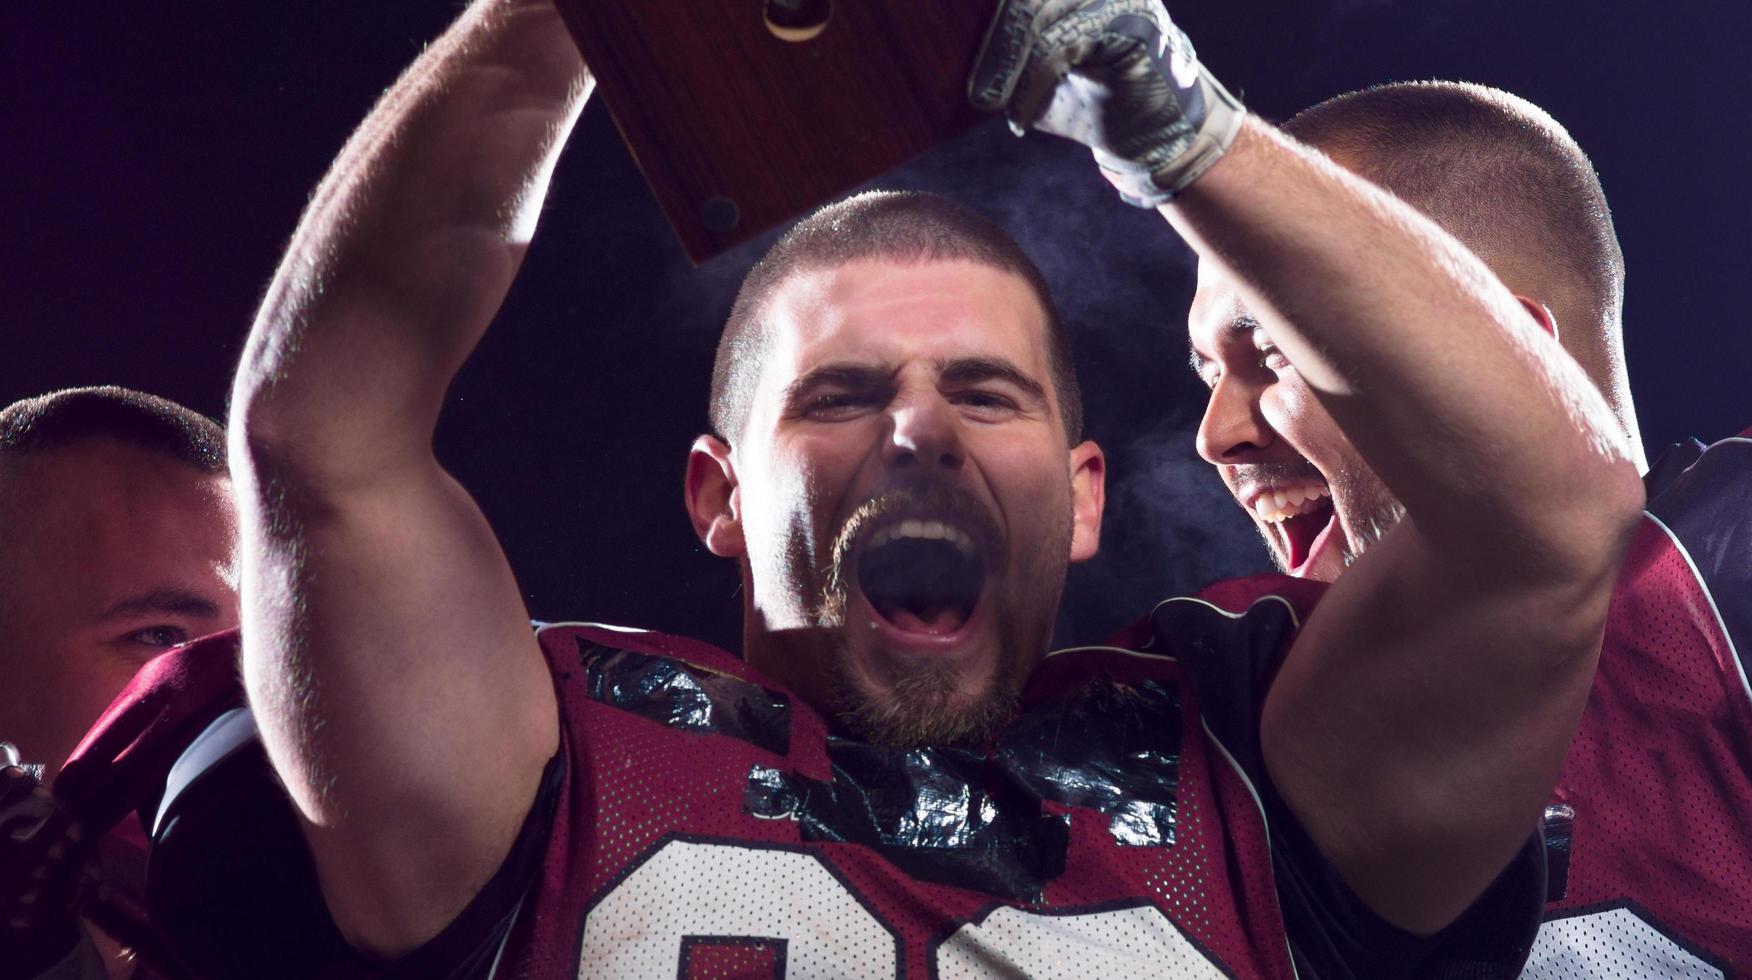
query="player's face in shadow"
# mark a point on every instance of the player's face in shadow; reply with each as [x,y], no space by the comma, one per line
[908,498]
[109,554]
[1313,499]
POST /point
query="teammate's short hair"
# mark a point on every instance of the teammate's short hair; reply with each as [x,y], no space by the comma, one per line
[1493,169]
[906,227]
[73,416]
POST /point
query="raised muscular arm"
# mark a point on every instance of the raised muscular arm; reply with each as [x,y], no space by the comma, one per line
[387,652]
[1420,721]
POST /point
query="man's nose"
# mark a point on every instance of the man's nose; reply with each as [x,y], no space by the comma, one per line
[1233,428]
[926,432]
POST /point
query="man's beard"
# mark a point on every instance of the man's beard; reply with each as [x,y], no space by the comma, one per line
[924,706]
[924,703]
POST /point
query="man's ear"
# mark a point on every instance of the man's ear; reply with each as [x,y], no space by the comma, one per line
[1088,499]
[1541,314]
[711,497]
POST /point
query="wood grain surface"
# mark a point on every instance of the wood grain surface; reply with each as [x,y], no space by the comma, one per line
[738,130]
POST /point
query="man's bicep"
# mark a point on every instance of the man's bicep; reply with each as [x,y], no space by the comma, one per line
[1417,725]
[401,693]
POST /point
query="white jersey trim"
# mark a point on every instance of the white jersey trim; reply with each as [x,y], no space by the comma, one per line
[1290,607]
[1295,622]
[505,940]
[1697,576]
[1145,654]
[544,627]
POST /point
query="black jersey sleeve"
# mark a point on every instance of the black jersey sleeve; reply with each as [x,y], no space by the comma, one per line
[1702,498]
[1333,935]
[469,947]
[232,888]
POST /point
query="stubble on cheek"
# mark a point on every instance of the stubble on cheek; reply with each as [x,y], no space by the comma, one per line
[1365,508]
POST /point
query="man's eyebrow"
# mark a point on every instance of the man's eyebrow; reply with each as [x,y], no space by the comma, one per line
[1242,323]
[965,370]
[173,602]
[843,374]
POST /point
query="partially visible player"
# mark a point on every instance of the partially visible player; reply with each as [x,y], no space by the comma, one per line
[118,541]
[1656,872]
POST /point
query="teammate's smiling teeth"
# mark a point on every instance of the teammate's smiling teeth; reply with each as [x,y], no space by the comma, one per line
[1280,504]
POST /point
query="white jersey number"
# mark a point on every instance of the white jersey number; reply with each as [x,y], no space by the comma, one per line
[689,895]
[1616,943]
[1134,942]
[786,910]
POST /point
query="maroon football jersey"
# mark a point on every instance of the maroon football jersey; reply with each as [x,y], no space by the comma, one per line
[1658,784]
[710,824]
[700,821]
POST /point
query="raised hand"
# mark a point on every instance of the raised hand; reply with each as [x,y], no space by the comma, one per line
[1116,76]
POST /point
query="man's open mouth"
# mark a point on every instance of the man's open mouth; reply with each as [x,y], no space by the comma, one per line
[922,576]
[1301,517]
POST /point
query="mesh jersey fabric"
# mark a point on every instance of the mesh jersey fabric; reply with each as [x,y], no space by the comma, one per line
[1658,782]
[701,822]
[709,824]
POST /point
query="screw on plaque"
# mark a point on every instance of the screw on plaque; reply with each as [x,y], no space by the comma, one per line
[796,20]
[720,215]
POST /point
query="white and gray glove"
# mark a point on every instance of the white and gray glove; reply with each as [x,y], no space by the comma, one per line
[1116,76]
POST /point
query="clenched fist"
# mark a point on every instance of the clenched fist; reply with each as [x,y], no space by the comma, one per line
[1114,75]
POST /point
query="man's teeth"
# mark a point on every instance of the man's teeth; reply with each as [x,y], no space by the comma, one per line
[1273,506]
[929,530]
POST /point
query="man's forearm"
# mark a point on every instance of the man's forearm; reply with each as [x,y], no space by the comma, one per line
[411,242]
[1471,414]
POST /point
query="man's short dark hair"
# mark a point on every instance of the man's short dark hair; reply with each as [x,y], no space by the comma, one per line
[73,416]
[904,227]
[1492,168]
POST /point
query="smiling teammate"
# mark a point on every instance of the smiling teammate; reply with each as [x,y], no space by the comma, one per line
[893,777]
[1652,800]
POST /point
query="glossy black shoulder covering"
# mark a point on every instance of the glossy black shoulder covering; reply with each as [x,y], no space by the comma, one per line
[681,695]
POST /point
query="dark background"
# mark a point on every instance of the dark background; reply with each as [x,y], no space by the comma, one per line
[153,161]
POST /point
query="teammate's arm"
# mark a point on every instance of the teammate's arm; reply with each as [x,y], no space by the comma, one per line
[1422,717]
[387,652]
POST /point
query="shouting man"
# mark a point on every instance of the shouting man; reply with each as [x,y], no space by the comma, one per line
[893,777]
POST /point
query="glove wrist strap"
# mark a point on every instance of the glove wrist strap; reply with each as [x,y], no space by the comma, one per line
[1216,133]
[1223,116]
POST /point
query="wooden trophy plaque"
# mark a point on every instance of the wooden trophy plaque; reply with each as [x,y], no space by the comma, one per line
[744,113]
